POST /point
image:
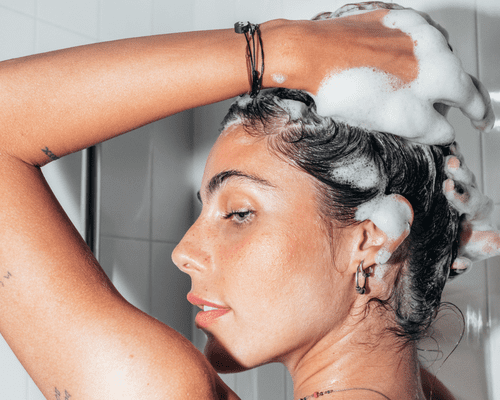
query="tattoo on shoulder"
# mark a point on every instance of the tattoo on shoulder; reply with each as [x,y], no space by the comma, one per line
[4,278]
[59,395]
[49,154]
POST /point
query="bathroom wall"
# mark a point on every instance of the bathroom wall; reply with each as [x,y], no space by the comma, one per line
[149,177]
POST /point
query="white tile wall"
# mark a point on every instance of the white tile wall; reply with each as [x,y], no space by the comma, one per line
[74,16]
[18,32]
[126,185]
[127,263]
[172,16]
[172,200]
[24,6]
[52,37]
[169,289]
[147,201]
[125,18]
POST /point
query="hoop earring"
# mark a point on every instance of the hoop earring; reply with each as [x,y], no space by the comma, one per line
[361,290]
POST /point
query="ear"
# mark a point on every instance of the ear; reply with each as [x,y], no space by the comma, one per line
[385,224]
[392,216]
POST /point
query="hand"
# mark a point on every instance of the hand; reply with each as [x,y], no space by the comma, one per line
[394,86]
[479,239]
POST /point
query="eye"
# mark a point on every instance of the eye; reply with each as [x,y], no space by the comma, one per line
[240,216]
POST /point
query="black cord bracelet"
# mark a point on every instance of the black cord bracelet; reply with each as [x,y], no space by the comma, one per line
[249,30]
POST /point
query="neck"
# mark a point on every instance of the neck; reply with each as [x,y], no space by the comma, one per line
[357,359]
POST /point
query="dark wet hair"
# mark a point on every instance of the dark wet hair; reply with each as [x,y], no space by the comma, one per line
[322,147]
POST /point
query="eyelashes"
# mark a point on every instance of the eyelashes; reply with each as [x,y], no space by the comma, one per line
[240,217]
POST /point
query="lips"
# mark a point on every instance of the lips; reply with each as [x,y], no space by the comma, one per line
[211,311]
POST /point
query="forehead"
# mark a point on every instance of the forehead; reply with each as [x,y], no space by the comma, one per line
[237,150]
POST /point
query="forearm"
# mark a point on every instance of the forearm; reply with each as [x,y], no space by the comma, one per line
[67,100]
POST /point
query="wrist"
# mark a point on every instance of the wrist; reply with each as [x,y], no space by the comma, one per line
[295,53]
[284,64]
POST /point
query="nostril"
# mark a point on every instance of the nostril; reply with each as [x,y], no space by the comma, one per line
[178,258]
[192,254]
[189,258]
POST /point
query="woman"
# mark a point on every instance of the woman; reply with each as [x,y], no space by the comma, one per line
[282,194]
[76,336]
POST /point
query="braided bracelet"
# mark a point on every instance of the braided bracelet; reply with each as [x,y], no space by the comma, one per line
[249,30]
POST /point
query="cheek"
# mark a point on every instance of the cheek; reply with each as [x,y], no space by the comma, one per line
[277,265]
[263,255]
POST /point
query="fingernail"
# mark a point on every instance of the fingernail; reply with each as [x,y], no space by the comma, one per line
[449,185]
[453,163]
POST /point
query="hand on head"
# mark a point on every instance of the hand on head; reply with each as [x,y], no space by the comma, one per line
[479,239]
[423,76]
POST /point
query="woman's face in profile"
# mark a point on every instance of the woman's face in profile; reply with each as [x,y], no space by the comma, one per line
[259,253]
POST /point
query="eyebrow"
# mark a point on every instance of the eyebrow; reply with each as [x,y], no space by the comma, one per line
[218,180]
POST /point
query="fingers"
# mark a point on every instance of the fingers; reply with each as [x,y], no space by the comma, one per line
[459,172]
[488,120]
[452,86]
[474,101]
[481,245]
[462,192]
[351,9]
[460,266]
[322,16]
[479,239]
[441,76]
[460,201]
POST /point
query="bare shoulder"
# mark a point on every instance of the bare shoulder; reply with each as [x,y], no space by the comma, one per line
[132,356]
[180,369]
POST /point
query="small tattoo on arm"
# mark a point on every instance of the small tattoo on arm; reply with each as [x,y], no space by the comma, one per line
[49,154]
[8,276]
[58,395]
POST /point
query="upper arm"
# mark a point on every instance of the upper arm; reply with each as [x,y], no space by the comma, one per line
[64,319]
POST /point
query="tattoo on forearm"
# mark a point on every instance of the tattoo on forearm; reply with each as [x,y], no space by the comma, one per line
[58,395]
[8,276]
[51,155]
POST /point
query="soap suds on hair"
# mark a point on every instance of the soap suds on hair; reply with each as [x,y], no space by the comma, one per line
[243,101]
[295,109]
[391,214]
[383,256]
[359,173]
[380,270]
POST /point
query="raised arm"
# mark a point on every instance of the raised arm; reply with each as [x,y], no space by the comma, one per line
[70,99]
[67,100]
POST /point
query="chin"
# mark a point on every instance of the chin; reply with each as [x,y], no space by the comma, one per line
[221,358]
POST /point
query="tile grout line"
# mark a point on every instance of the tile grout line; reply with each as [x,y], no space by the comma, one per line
[151,181]
[138,239]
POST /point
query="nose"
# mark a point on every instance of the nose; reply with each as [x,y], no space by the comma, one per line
[191,255]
